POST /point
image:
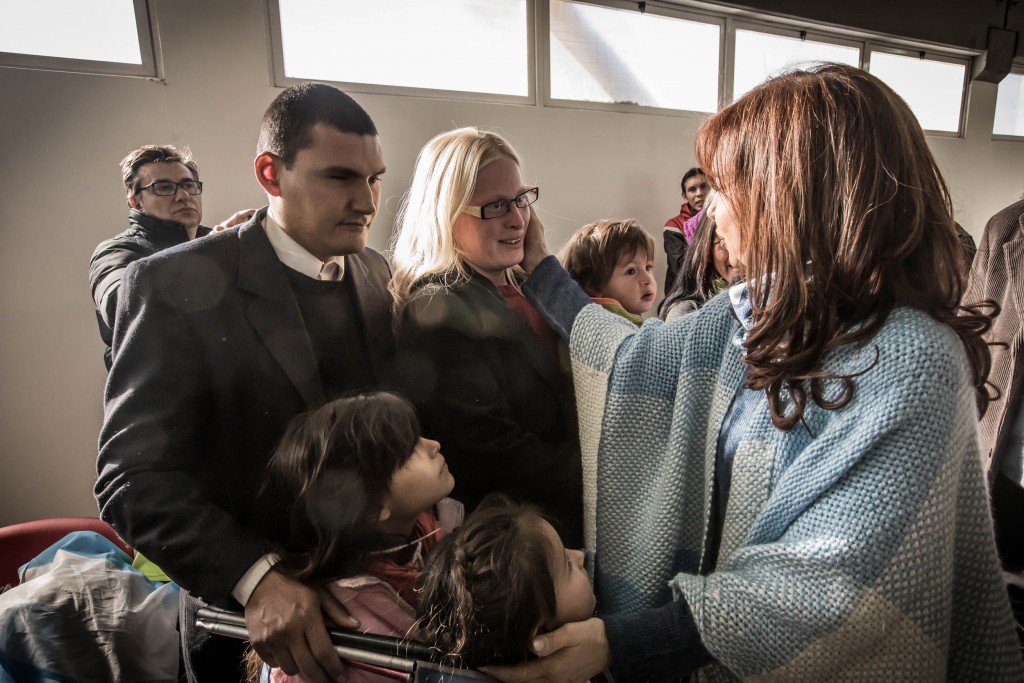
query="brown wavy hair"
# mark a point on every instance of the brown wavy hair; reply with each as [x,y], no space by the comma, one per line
[844,216]
[487,588]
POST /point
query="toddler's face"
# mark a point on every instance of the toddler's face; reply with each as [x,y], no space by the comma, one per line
[632,283]
[423,480]
[574,596]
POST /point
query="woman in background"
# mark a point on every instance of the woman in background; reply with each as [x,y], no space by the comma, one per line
[707,270]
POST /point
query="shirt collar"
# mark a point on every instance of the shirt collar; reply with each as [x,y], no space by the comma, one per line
[739,296]
[294,255]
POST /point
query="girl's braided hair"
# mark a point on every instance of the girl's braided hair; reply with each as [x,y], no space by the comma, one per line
[487,588]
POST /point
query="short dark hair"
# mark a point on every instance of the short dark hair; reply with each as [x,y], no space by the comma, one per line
[487,587]
[288,122]
[151,154]
[329,477]
[593,251]
[695,171]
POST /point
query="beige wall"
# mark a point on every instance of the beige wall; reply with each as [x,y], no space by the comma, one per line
[60,195]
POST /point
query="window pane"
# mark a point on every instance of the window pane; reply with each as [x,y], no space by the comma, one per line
[762,55]
[934,90]
[100,30]
[608,55]
[465,45]
[1010,106]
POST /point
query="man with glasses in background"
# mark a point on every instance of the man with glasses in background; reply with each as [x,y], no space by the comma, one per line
[165,206]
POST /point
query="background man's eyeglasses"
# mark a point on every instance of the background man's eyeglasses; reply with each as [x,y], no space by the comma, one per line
[502,206]
[166,188]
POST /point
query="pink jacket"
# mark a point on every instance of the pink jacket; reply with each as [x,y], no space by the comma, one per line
[375,599]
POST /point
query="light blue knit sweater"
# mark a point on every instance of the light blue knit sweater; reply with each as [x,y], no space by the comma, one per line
[857,548]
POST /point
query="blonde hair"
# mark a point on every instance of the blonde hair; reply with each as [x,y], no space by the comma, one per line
[442,186]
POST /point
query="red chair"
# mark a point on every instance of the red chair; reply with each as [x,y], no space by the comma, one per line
[19,543]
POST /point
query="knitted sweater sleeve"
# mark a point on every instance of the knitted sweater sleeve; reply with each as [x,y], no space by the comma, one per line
[556,295]
[656,644]
[856,545]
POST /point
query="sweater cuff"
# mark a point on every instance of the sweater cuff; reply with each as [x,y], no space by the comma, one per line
[656,644]
[556,295]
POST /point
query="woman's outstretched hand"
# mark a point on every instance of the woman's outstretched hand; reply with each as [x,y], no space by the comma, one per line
[571,654]
[535,248]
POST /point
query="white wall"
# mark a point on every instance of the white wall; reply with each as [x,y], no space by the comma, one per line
[60,194]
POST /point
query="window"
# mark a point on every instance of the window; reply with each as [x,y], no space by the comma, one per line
[1010,106]
[761,55]
[621,56]
[469,46]
[112,36]
[618,55]
[933,89]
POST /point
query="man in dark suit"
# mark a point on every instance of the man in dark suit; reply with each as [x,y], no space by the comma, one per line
[998,275]
[218,344]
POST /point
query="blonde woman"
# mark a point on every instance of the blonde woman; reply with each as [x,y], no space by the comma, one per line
[479,363]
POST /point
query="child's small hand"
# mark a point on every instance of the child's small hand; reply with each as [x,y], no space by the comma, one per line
[571,654]
[535,248]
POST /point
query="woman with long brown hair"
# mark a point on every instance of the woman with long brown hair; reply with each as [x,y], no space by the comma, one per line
[810,502]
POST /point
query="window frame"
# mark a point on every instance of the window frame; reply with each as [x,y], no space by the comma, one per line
[283,81]
[148,36]
[1004,137]
[728,19]
[672,12]
[786,31]
[871,46]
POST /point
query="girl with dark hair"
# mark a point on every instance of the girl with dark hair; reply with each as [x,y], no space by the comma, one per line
[358,486]
[498,580]
[707,270]
[810,502]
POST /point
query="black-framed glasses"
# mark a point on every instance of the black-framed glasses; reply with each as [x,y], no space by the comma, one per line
[166,188]
[502,206]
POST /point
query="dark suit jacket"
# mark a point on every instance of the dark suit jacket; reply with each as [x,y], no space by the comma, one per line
[494,397]
[211,361]
[144,237]
[998,274]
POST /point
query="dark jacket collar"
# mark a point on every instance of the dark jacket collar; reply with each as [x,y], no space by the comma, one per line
[274,312]
[484,314]
[162,233]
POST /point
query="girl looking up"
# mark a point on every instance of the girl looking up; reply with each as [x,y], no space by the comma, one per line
[358,485]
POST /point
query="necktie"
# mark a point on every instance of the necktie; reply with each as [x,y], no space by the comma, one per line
[329,271]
